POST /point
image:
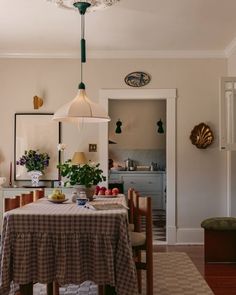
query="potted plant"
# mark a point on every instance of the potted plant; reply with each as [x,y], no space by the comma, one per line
[35,163]
[84,176]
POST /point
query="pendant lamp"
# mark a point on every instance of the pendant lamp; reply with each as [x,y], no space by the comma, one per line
[81,108]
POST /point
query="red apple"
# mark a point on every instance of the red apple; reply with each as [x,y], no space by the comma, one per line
[97,189]
[103,188]
[115,191]
[101,192]
[108,192]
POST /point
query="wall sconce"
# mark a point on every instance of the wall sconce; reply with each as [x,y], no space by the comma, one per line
[118,126]
[37,102]
[160,127]
[201,136]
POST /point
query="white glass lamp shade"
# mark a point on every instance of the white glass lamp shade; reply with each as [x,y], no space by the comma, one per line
[79,158]
[81,108]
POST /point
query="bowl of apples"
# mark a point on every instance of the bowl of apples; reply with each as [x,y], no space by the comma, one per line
[106,192]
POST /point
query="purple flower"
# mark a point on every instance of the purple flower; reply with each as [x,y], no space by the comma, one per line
[33,160]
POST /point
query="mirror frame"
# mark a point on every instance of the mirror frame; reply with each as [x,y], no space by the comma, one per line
[25,127]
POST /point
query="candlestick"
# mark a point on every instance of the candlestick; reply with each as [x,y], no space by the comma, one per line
[10,177]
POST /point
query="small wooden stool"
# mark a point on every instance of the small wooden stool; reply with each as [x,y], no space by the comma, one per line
[220,239]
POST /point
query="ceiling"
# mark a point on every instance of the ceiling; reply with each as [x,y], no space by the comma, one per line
[132,28]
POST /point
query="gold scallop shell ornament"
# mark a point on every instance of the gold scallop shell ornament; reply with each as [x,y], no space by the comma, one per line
[201,136]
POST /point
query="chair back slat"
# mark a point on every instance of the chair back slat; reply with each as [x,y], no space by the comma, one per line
[26,198]
[131,205]
[145,209]
[38,194]
[143,213]
[137,216]
[11,203]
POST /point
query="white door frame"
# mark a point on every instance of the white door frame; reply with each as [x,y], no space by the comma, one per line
[156,94]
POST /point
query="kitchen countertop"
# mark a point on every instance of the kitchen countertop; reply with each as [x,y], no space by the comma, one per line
[136,172]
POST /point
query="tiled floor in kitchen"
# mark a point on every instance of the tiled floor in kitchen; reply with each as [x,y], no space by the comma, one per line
[158,225]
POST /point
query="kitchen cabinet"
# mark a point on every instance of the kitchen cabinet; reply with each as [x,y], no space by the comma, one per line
[147,183]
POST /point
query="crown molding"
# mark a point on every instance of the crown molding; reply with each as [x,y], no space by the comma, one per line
[116,54]
[162,54]
[38,55]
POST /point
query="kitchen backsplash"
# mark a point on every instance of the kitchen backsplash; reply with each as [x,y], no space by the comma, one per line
[140,157]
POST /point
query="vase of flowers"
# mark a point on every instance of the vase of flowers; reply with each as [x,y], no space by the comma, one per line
[35,163]
[84,176]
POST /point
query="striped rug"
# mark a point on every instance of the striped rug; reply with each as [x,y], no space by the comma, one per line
[174,274]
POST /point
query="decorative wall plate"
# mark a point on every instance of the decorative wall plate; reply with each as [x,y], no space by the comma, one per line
[201,136]
[137,79]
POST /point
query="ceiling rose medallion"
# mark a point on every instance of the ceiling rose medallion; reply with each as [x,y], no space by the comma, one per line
[95,4]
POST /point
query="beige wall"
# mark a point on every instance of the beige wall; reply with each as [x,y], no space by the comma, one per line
[139,124]
[201,176]
[232,65]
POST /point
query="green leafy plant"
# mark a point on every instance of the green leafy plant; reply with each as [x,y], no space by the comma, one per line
[86,174]
[34,161]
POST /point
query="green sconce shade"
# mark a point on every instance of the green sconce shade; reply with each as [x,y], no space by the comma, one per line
[118,126]
[160,127]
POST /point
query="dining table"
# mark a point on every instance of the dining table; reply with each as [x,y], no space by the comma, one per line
[49,242]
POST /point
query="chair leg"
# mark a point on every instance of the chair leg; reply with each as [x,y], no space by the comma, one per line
[109,290]
[149,275]
[26,289]
[139,273]
[50,289]
[100,290]
[55,288]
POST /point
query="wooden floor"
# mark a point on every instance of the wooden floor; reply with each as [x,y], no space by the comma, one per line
[220,277]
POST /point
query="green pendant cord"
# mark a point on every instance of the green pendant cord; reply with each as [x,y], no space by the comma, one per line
[82,7]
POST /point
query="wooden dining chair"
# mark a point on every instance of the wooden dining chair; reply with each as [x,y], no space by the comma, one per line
[131,208]
[11,203]
[143,241]
[38,194]
[26,198]
[104,290]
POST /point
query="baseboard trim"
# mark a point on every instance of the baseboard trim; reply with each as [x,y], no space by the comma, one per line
[190,236]
[171,235]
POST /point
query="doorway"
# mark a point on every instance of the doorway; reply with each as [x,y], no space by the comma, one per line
[137,153]
[152,94]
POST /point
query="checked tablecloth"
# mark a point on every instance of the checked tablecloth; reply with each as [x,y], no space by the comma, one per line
[43,242]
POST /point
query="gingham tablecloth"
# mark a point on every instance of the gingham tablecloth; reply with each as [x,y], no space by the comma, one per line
[43,241]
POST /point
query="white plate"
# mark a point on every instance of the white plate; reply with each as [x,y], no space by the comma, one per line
[57,201]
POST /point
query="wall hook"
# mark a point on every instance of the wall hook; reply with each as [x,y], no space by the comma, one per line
[37,102]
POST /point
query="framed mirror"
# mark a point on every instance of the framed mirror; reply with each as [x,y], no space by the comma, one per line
[36,131]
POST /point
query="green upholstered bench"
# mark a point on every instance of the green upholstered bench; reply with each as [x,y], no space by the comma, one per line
[220,239]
